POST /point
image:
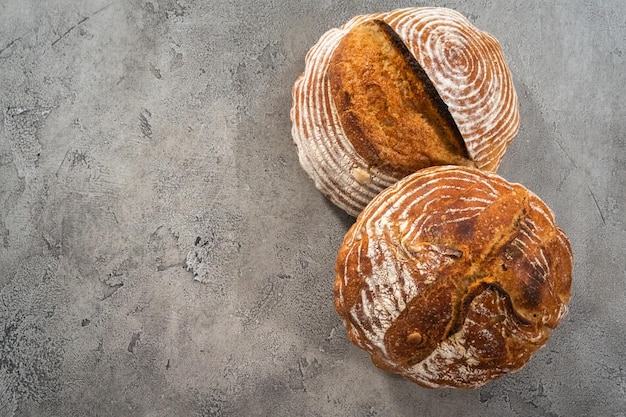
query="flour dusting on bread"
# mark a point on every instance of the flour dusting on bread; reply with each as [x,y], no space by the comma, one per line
[466,67]
[453,276]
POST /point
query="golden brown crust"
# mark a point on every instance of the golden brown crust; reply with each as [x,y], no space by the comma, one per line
[389,109]
[467,68]
[452,277]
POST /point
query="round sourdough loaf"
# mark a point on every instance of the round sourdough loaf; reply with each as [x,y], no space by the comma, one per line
[390,93]
[453,277]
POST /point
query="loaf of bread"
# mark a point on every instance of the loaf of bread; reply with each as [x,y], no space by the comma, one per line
[390,93]
[453,277]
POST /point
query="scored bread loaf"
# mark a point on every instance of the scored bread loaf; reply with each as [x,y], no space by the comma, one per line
[390,93]
[453,277]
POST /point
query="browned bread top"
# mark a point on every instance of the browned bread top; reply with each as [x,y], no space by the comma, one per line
[364,115]
[453,277]
[388,107]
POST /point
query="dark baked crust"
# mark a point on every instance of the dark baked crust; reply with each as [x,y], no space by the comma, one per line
[388,107]
[452,277]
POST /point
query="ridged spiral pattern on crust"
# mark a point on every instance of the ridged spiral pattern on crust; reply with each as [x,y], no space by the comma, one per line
[461,250]
[470,73]
[465,65]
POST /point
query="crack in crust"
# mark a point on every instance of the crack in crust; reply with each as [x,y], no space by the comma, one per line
[387,105]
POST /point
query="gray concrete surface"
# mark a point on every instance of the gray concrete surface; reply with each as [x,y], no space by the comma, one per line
[163,254]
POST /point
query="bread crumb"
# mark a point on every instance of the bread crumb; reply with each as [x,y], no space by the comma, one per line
[361,175]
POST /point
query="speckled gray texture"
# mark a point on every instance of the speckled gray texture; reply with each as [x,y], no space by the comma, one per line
[163,254]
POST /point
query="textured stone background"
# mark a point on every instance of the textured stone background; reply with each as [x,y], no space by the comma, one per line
[163,254]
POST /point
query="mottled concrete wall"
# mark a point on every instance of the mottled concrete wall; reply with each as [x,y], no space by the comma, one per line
[162,253]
